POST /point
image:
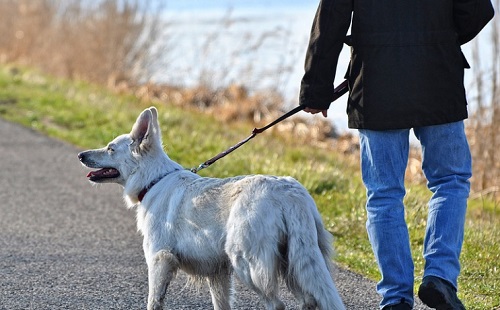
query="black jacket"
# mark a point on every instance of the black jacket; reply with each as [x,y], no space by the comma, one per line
[406,68]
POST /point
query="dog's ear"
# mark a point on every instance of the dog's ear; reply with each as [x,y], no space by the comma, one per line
[143,127]
[154,120]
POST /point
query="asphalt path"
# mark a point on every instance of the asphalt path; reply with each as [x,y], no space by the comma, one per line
[65,244]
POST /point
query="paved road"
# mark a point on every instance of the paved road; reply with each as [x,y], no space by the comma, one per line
[65,244]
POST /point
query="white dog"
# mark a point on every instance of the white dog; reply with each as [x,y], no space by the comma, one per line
[261,227]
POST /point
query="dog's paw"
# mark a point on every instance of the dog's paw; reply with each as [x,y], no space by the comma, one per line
[155,305]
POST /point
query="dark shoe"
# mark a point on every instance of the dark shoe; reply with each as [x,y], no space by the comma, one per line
[401,306]
[439,294]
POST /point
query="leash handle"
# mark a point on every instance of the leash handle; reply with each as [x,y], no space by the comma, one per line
[337,93]
[340,90]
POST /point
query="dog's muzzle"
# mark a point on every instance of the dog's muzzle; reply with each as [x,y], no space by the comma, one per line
[101,175]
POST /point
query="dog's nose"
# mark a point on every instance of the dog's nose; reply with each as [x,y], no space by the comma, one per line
[81,156]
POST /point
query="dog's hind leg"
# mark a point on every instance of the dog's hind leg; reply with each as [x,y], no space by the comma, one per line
[261,278]
[161,269]
[307,301]
[220,288]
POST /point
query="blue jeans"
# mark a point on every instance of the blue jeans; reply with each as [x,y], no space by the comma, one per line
[446,162]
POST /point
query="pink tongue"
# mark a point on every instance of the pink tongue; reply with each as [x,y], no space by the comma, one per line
[98,172]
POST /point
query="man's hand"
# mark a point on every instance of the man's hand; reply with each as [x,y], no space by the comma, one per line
[315,111]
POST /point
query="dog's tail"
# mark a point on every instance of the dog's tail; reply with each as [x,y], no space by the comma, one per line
[309,255]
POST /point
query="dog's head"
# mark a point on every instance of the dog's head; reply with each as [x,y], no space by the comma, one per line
[121,158]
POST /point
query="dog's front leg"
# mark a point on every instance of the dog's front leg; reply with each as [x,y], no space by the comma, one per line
[161,270]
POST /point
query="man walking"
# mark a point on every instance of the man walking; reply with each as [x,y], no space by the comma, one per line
[406,72]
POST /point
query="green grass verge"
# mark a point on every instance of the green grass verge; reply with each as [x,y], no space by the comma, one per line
[89,116]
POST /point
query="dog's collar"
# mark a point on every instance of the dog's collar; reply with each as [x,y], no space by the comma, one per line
[145,190]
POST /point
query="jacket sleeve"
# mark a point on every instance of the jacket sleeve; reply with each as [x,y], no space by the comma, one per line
[328,33]
[470,16]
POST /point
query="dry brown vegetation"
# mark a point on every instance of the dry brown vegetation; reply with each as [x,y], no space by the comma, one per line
[115,43]
[101,43]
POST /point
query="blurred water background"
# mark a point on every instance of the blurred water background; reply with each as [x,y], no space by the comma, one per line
[259,44]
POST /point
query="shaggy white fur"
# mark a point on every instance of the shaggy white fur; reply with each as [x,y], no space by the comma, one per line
[262,228]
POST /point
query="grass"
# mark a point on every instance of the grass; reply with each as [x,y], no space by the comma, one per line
[89,116]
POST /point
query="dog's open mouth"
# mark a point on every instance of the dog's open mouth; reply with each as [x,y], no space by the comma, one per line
[101,174]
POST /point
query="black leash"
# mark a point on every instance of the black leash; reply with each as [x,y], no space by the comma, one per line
[337,93]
